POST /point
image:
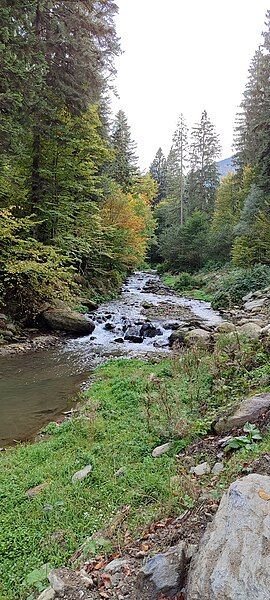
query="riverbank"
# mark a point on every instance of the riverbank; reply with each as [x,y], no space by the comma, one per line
[132,407]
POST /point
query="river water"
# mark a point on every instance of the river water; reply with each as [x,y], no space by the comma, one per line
[40,386]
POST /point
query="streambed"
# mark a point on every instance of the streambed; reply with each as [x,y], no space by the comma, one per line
[40,386]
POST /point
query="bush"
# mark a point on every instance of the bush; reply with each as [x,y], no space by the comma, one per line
[186,281]
[221,300]
[237,283]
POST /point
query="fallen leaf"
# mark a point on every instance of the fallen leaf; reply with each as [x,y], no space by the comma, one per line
[145,547]
[264,495]
[100,565]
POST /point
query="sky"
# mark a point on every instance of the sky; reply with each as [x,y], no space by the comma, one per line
[184,56]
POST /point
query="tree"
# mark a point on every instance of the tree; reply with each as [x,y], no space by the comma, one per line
[57,56]
[185,248]
[158,172]
[203,177]
[124,166]
[177,164]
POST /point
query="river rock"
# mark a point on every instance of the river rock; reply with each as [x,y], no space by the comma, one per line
[198,337]
[82,474]
[201,469]
[225,327]
[159,450]
[67,320]
[178,336]
[251,330]
[115,565]
[233,560]
[90,304]
[249,410]
[163,574]
[133,334]
[149,330]
[217,468]
[254,304]
[173,325]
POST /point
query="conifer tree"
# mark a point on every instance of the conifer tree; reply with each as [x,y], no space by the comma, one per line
[203,177]
[177,165]
[158,172]
[124,166]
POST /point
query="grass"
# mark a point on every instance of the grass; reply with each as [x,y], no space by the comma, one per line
[189,292]
[132,407]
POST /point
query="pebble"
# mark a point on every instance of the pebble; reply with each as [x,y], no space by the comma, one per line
[159,450]
[201,469]
[217,468]
[82,474]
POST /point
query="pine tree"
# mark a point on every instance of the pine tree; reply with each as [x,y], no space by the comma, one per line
[61,59]
[124,166]
[158,172]
[177,165]
[203,177]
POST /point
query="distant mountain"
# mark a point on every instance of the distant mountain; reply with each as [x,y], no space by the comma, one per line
[226,166]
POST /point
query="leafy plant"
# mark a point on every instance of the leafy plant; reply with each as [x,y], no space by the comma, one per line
[245,441]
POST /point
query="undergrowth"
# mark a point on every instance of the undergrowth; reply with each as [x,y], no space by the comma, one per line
[131,407]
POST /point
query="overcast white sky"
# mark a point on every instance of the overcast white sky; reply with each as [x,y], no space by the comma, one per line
[184,56]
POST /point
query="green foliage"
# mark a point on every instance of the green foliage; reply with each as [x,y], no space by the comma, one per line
[221,299]
[30,273]
[245,441]
[234,285]
[185,248]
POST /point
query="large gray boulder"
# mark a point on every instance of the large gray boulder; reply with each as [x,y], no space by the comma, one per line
[233,560]
[249,410]
[67,320]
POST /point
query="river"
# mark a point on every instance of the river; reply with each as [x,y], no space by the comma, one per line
[40,386]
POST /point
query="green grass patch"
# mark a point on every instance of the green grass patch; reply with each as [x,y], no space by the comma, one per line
[189,286]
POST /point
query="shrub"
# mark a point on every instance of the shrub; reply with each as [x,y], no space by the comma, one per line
[186,281]
[240,282]
[221,300]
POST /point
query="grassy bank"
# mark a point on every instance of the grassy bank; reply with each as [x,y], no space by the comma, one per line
[223,287]
[132,407]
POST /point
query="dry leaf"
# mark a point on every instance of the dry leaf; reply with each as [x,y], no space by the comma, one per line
[100,565]
[264,495]
[145,547]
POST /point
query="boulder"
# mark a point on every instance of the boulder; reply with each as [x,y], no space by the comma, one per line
[133,334]
[249,410]
[198,337]
[233,559]
[67,320]
[225,327]
[178,336]
[254,304]
[163,574]
[251,330]
[63,581]
[90,304]
[149,330]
